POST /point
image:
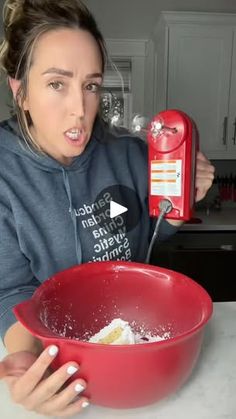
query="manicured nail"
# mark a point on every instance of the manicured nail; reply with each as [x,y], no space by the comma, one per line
[85,404]
[71,370]
[79,388]
[53,350]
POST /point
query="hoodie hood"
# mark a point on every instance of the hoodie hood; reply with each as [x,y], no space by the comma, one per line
[11,139]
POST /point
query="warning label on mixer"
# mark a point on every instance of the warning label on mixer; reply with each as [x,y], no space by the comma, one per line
[166,177]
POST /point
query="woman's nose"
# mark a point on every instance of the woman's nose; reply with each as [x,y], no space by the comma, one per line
[77,107]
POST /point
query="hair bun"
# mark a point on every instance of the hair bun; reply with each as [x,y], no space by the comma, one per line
[33,3]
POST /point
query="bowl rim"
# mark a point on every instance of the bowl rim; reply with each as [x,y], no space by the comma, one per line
[207,312]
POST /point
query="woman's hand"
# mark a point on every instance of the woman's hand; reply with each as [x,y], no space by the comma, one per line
[204,176]
[203,181]
[32,385]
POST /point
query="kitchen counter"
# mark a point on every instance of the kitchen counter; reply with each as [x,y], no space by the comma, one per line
[221,220]
[208,394]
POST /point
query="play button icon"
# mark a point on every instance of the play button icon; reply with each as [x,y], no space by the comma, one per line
[116,209]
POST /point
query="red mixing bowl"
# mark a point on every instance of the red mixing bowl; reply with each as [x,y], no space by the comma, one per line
[74,304]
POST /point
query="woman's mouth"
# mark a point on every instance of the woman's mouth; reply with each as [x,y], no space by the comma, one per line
[75,136]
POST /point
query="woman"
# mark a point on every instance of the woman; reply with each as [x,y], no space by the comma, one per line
[58,163]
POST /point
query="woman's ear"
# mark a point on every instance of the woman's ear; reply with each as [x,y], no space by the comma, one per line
[14,85]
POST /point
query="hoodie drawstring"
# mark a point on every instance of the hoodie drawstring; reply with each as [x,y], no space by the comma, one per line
[73,216]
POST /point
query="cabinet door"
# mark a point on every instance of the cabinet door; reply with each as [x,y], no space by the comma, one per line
[199,70]
[209,267]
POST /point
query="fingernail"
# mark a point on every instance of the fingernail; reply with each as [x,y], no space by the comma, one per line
[85,404]
[53,350]
[79,388]
[71,370]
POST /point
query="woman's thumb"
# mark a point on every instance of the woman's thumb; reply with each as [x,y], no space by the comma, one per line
[16,364]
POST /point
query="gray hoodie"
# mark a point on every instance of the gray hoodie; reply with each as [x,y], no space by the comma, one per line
[49,212]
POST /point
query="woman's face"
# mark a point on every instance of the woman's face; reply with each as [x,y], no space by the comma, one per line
[63,92]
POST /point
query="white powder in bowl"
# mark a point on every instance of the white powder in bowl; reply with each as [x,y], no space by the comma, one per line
[119,332]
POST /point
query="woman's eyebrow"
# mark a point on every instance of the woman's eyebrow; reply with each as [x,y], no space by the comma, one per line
[61,72]
[94,76]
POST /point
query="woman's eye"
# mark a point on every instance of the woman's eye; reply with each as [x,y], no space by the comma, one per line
[56,85]
[93,87]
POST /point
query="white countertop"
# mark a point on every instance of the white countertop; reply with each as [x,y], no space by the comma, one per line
[222,220]
[208,394]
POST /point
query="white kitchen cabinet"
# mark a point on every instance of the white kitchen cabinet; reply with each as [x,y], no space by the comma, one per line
[193,68]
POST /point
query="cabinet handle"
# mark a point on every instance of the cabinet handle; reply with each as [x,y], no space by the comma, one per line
[234,137]
[225,129]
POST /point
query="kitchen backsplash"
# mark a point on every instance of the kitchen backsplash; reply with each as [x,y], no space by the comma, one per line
[222,194]
[225,167]
[226,187]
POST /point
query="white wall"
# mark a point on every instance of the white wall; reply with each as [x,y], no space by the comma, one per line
[5,101]
[136,18]
[4,95]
